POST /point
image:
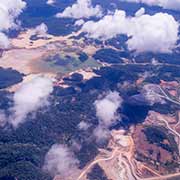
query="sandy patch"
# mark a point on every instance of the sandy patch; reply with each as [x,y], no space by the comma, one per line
[24,41]
[19,59]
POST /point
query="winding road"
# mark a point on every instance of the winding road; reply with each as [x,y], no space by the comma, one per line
[95,162]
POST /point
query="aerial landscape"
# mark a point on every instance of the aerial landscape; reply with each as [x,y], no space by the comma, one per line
[89,89]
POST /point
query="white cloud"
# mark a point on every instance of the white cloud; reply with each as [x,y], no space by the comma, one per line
[83,125]
[140,12]
[9,11]
[81,9]
[79,22]
[101,133]
[76,146]
[106,111]
[60,161]
[4,41]
[29,97]
[108,27]
[166,4]
[3,118]
[41,29]
[144,30]
[50,2]
[106,108]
